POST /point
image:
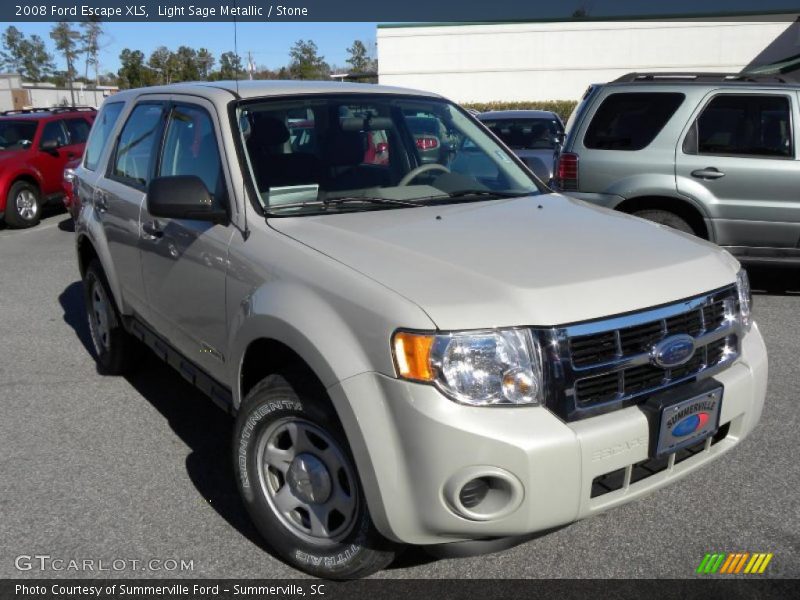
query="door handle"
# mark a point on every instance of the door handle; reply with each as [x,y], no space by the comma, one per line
[151,230]
[708,173]
[101,203]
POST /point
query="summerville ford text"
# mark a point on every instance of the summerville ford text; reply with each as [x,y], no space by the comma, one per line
[171,590]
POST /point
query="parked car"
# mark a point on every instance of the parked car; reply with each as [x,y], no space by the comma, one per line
[533,135]
[429,136]
[70,199]
[713,155]
[35,146]
[414,352]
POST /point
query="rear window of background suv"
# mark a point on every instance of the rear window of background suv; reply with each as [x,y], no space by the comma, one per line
[630,121]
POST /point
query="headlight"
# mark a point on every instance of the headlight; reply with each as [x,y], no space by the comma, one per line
[745,298]
[482,368]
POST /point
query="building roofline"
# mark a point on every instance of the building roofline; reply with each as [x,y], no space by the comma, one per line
[774,14]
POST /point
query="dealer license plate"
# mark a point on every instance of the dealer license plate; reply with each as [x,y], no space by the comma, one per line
[687,422]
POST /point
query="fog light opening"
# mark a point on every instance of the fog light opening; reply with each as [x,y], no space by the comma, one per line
[474,492]
[479,495]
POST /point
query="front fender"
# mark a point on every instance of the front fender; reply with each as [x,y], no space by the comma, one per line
[336,336]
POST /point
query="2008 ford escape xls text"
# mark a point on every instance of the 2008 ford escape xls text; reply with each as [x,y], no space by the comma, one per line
[420,342]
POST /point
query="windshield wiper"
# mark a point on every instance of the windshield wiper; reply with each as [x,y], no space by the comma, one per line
[496,194]
[326,202]
[368,199]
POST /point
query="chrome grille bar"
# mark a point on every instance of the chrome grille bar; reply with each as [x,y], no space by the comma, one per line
[604,365]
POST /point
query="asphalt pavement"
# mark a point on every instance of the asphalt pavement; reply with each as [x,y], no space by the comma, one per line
[136,469]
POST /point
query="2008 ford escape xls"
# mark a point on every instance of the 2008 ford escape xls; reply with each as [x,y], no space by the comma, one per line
[417,351]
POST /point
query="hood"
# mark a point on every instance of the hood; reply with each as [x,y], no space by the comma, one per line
[541,260]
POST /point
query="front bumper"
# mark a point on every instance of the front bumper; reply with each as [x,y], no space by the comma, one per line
[411,443]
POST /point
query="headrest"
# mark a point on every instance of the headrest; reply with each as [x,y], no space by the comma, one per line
[268,131]
[346,148]
[365,124]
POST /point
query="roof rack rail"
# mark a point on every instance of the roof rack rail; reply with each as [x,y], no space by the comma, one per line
[48,109]
[708,77]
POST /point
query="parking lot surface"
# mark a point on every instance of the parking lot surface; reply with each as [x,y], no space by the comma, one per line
[137,469]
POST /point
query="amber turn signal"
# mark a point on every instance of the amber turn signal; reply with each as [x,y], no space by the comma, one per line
[412,354]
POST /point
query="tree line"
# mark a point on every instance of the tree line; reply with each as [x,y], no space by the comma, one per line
[79,46]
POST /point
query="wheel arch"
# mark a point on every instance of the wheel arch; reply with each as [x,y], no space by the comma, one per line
[682,207]
[87,250]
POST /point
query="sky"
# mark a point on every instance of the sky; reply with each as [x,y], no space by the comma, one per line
[269,42]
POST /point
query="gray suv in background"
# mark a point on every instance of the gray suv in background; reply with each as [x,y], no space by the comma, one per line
[533,135]
[714,155]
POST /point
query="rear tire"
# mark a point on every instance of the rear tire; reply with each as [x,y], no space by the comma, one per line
[23,205]
[664,217]
[116,351]
[299,483]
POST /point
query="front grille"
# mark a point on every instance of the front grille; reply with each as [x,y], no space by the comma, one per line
[640,379]
[602,365]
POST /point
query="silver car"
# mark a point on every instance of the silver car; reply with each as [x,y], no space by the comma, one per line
[713,155]
[533,135]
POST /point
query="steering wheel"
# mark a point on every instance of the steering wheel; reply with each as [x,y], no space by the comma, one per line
[414,173]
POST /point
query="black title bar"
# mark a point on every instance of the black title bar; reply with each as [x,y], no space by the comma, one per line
[715,588]
[444,11]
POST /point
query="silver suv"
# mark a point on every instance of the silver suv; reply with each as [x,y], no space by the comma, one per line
[436,353]
[709,154]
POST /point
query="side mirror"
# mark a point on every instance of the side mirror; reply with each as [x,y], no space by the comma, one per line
[183,197]
[50,145]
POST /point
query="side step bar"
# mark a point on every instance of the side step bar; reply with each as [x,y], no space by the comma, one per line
[219,394]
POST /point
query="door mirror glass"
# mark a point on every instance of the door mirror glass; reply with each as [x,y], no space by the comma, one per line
[183,197]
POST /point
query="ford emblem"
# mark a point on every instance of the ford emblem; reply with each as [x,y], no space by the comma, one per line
[673,351]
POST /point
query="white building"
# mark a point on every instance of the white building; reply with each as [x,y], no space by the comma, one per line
[558,60]
[16,94]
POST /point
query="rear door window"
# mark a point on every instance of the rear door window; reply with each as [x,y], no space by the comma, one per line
[631,121]
[743,125]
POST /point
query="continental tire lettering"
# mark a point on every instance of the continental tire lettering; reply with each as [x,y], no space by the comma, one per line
[338,559]
[250,425]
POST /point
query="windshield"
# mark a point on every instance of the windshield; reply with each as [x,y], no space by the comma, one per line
[528,134]
[371,152]
[16,135]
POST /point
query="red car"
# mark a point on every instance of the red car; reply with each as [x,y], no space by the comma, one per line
[71,202]
[35,146]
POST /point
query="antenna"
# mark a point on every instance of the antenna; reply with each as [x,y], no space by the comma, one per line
[236,44]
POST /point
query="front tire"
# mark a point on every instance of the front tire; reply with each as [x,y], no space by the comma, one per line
[116,350]
[298,480]
[23,205]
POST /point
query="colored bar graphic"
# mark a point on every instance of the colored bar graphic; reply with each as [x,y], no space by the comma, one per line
[764,564]
[734,562]
[741,562]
